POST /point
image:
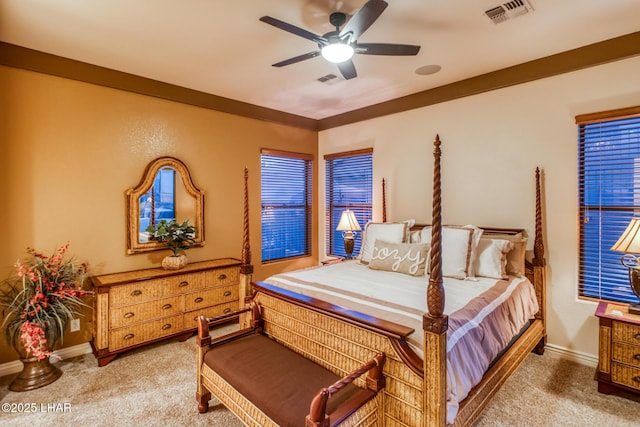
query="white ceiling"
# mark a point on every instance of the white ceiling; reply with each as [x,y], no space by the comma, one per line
[220,47]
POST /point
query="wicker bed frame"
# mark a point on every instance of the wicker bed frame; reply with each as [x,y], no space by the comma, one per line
[341,340]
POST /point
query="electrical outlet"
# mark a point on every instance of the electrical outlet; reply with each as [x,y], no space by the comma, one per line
[74,326]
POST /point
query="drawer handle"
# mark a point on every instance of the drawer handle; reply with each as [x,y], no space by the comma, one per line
[227,293]
[166,326]
[637,336]
[136,293]
[128,315]
[128,336]
[166,306]
[183,284]
[199,299]
[222,277]
[636,356]
[636,378]
[226,310]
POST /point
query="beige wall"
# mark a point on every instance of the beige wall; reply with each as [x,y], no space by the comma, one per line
[69,150]
[492,144]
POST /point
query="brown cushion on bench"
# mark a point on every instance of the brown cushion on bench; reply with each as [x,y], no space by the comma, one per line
[277,380]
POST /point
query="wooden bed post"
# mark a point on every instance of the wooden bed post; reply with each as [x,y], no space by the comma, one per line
[539,267]
[203,340]
[246,269]
[435,322]
[384,202]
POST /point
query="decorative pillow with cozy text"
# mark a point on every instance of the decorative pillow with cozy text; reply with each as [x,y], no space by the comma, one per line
[407,258]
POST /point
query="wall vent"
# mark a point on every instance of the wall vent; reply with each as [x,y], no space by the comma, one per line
[508,11]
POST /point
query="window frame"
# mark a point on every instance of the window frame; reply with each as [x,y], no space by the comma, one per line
[610,283]
[307,205]
[363,211]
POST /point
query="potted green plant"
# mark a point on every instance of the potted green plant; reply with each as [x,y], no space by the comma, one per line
[38,302]
[177,237]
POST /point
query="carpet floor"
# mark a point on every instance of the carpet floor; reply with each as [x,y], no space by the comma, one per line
[155,386]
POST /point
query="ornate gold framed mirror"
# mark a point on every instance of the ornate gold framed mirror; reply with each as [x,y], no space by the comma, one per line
[166,191]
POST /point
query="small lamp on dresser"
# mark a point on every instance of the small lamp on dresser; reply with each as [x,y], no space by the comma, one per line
[348,225]
[629,244]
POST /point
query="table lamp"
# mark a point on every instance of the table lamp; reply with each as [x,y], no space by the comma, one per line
[348,225]
[629,244]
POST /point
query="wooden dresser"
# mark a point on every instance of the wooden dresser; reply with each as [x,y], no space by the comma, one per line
[619,349]
[135,308]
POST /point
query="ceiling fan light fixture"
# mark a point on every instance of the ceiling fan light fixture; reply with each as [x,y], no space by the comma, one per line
[340,45]
[337,52]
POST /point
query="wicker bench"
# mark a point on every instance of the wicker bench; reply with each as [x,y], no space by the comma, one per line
[265,383]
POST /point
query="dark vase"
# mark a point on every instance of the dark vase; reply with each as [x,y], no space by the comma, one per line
[35,372]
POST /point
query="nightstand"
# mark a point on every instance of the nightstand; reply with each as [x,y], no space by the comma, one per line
[619,349]
[332,261]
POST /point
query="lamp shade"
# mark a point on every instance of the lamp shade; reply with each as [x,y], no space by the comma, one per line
[629,241]
[348,222]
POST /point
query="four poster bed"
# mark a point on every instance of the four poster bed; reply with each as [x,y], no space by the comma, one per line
[442,362]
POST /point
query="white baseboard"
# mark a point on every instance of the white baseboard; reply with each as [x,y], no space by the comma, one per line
[573,355]
[10,368]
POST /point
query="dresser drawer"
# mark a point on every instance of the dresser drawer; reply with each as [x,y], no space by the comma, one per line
[134,293]
[626,332]
[626,353]
[131,314]
[183,283]
[191,316]
[132,335]
[222,276]
[625,375]
[211,296]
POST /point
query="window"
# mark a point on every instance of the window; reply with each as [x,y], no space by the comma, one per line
[286,204]
[609,196]
[349,178]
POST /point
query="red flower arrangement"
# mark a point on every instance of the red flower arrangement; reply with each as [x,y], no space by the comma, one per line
[41,299]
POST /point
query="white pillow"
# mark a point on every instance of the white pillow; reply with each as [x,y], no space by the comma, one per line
[416,236]
[388,231]
[457,245]
[410,222]
[477,235]
[492,258]
[515,257]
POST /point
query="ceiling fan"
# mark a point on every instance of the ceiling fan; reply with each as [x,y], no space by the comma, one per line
[339,46]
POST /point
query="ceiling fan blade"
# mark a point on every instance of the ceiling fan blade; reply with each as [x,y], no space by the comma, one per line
[297,59]
[386,49]
[347,69]
[294,30]
[363,18]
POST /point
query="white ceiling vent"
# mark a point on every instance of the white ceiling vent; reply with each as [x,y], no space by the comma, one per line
[508,11]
